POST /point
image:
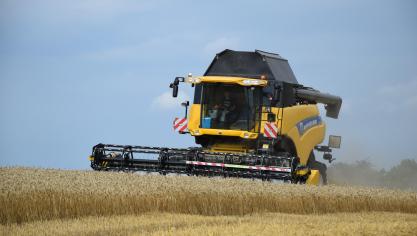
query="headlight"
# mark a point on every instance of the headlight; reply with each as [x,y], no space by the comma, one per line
[194,80]
[251,82]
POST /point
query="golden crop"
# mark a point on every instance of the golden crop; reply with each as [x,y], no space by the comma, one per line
[159,224]
[36,194]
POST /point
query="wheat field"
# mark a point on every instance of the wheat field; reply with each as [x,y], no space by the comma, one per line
[43,201]
[158,224]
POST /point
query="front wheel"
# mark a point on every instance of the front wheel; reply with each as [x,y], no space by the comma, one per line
[321,167]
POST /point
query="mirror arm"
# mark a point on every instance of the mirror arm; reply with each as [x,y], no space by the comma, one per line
[174,85]
[185,104]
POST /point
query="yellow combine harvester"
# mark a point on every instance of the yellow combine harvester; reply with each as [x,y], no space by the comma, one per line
[252,119]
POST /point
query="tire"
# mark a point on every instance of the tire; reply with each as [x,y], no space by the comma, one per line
[321,167]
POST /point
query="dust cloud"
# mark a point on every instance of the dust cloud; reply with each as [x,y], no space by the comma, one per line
[363,173]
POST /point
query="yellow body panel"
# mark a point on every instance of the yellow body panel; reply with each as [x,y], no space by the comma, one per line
[277,111]
[228,148]
[224,132]
[230,80]
[314,178]
[194,118]
[315,135]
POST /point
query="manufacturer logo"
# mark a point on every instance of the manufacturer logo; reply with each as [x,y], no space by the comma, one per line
[307,124]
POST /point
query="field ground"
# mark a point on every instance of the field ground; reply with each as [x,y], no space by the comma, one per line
[371,223]
[38,201]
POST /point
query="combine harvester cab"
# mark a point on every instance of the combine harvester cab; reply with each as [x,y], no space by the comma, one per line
[251,118]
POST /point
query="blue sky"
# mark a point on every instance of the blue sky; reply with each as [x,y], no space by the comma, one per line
[76,73]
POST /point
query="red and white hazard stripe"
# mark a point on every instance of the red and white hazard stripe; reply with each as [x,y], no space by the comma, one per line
[180,124]
[270,130]
[279,169]
[275,169]
[201,163]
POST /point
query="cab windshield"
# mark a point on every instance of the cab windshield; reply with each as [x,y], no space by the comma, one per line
[230,107]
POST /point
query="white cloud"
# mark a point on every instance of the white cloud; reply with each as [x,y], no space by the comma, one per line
[220,44]
[165,101]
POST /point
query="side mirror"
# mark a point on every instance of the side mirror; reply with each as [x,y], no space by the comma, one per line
[175,91]
[335,141]
[277,93]
[174,85]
